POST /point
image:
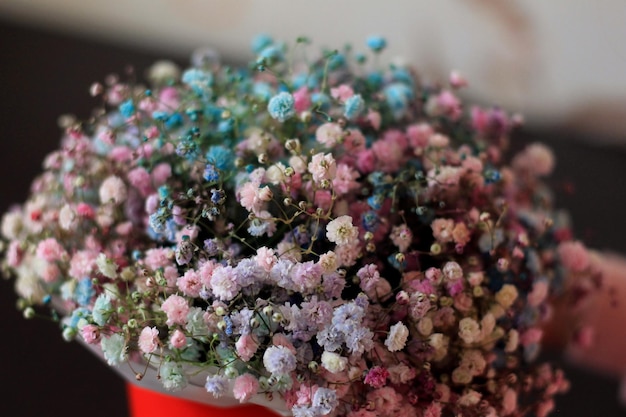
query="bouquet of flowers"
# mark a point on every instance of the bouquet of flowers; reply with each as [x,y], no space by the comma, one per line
[331,235]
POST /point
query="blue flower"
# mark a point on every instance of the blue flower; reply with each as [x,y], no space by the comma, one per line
[261,42]
[353,106]
[200,81]
[281,106]
[84,291]
[127,108]
[262,90]
[102,309]
[376,43]
[336,61]
[398,96]
[320,100]
[221,157]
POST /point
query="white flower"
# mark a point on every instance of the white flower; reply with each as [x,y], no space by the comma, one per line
[68,220]
[425,326]
[334,362]
[12,224]
[469,330]
[113,190]
[507,295]
[114,349]
[107,267]
[397,337]
[341,230]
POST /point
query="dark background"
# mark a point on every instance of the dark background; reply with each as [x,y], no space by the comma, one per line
[44,75]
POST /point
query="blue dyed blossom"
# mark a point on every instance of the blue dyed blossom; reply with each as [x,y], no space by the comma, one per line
[336,61]
[320,100]
[200,81]
[281,106]
[262,90]
[376,43]
[398,97]
[102,309]
[353,106]
[222,157]
[270,54]
[278,360]
[78,315]
[127,108]
[211,174]
[173,121]
[84,291]
[261,42]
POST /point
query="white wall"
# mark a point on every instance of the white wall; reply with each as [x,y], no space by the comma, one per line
[557,61]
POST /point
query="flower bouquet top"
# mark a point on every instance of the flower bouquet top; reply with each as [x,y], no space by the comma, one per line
[330,232]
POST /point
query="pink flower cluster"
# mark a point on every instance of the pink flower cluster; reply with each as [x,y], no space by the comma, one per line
[355,244]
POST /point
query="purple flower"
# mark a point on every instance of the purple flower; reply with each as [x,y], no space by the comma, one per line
[325,399]
[216,385]
[306,276]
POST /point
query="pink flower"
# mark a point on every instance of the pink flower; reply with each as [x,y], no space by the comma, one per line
[246,346]
[545,408]
[574,256]
[433,410]
[161,173]
[224,283]
[537,159]
[141,180]
[531,336]
[245,387]
[190,283]
[329,134]
[148,339]
[178,339]
[385,400]
[389,154]
[322,167]
[90,333]
[353,141]
[176,309]
[15,254]
[538,294]
[345,179]
[366,161]
[368,276]
[509,402]
[443,229]
[374,118]
[377,377]
[266,258]
[342,93]
[50,250]
[402,237]
[82,264]
[302,99]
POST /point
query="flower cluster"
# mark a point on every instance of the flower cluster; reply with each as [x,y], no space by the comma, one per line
[330,232]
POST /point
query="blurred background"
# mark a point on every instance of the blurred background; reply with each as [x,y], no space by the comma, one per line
[562,64]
